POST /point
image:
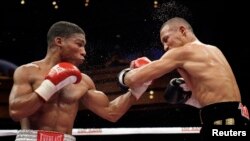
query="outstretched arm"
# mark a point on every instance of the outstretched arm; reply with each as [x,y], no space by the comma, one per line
[153,70]
[98,102]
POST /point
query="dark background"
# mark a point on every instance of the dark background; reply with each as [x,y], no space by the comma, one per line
[24,27]
[125,27]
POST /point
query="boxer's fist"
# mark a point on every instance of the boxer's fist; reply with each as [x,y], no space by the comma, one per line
[139,91]
[59,76]
[139,62]
[177,91]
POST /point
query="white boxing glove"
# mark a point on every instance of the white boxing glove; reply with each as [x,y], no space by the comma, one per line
[139,62]
[139,91]
[59,76]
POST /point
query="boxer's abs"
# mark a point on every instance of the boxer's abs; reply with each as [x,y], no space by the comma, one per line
[52,117]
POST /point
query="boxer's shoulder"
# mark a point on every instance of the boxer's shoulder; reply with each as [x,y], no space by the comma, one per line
[31,65]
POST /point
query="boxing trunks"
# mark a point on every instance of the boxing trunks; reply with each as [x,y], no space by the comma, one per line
[224,113]
[41,135]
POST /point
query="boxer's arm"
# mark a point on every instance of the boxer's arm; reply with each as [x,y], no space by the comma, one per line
[23,101]
[137,63]
[139,89]
[99,103]
[171,60]
[148,72]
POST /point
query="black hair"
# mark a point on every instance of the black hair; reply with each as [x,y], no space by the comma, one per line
[63,29]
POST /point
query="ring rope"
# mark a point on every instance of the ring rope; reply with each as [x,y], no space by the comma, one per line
[121,131]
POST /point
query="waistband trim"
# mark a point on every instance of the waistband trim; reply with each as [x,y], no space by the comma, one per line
[31,135]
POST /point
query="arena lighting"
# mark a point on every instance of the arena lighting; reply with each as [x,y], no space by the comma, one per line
[53,2]
[22,2]
[56,6]
[86,3]
[156,4]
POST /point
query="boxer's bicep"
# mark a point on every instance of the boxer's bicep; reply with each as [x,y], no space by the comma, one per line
[96,101]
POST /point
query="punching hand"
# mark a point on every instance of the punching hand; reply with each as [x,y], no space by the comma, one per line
[59,76]
[138,91]
[139,62]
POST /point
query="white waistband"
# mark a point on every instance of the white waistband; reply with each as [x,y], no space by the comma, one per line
[31,135]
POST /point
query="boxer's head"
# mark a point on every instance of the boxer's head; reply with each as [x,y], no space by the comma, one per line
[63,29]
[68,41]
[175,33]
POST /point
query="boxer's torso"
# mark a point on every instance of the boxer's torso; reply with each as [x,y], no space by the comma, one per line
[209,75]
[58,114]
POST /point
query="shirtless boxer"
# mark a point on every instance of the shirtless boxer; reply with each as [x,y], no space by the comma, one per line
[46,94]
[204,69]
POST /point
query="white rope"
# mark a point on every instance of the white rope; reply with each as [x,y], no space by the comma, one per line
[8,132]
[122,131]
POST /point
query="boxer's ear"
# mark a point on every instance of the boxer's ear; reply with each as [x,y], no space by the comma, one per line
[182,29]
[58,41]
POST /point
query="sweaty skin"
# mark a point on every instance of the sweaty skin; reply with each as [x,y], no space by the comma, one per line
[203,67]
[59,112]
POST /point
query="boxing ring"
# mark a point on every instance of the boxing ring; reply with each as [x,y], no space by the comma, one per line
[120,131]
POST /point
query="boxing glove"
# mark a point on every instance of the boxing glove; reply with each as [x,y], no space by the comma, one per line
[121,76]
[138,91]
[139,62]
[177,91]
[59,76]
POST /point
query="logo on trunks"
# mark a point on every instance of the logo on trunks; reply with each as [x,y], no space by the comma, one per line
[49,136]
[217,132]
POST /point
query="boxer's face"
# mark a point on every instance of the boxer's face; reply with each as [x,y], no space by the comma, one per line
[170,37]
[73,49]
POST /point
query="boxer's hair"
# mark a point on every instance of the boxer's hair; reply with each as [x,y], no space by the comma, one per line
[63,29]
[168,10]
[176,21]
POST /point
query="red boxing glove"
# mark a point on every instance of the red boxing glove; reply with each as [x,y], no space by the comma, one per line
[138,91]
[59,76]
[134,64]
[140,62]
